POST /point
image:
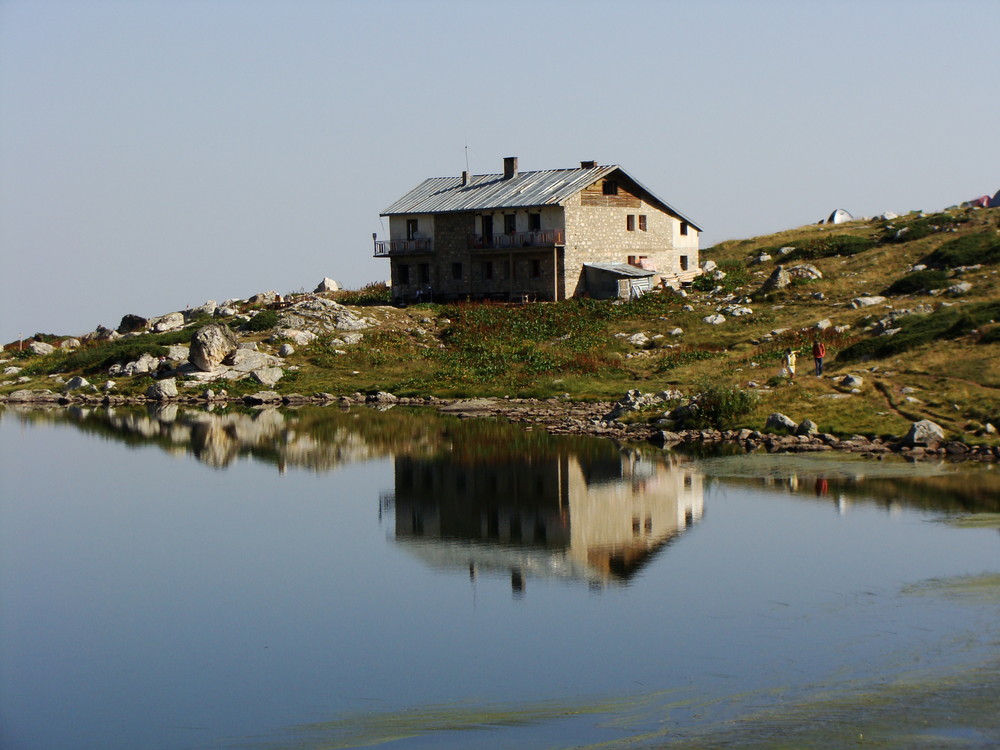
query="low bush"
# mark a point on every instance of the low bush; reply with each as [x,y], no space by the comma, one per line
[374,293]
[970,250]
[265,320]
[736,276]
[721,406]
[916,330]
[908,229]
[918,282]
[827,247]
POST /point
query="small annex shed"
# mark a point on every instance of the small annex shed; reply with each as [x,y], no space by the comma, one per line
[617,280]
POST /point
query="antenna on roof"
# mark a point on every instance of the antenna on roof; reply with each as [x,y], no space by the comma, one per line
[467,155]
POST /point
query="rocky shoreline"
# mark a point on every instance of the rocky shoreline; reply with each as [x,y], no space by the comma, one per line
[559,417]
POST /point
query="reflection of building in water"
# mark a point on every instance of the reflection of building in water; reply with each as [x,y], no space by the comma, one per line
[596,519]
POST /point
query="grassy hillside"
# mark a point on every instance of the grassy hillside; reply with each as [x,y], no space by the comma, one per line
[942,362]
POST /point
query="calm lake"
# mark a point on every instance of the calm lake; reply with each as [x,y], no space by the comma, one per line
[320,578]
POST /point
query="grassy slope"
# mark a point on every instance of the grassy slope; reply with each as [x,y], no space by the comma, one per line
[545,350]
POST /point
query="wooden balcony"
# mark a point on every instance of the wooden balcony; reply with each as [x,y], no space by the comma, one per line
[386,248]
[518,240]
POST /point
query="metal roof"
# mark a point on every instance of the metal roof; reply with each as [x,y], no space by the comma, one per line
[486,192]
[621,269]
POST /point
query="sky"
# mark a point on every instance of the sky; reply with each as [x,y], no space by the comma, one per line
[155,154]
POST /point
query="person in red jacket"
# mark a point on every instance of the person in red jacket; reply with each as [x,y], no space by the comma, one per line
[819,352]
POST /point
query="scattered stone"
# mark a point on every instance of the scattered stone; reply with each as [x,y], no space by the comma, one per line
[69,344]
[286,350]
[381,397]
[133,324]
[924,432]
[822,325]
[708,266]
[859,302]
[265,298]
[786,250]
[206,310]
[638,339]
[714,320]
[779,279]
[267,375]
[778,421]
[41,348]
[327,285]
[210,345]
[807,427]
[962,287]
[762,258]
[162,389]
[851,381]
[805,271]
[677,331]
[169,322]
[74,383]
[261,397]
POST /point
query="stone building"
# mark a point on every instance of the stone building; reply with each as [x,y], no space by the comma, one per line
[545,235]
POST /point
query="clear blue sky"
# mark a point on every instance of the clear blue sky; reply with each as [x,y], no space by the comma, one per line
[158,153]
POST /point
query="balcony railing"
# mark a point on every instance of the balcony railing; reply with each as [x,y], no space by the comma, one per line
[385,248]
[538,238]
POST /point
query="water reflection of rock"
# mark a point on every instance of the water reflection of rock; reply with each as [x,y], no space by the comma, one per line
[219,439]
[593,518]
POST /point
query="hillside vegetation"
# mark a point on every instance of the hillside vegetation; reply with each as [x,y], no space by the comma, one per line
[928,350]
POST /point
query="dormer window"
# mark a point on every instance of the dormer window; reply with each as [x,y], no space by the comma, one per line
[610,187]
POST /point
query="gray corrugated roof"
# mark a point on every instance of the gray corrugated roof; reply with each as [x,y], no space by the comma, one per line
[490,191]
[622,269]
[486,192]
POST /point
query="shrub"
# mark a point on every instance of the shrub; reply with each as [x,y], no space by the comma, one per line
[720,406]
[265,320]
[374,293]
[917,330]
[918,282]
[826,247]
[907,230]
[736,276]
[970,250]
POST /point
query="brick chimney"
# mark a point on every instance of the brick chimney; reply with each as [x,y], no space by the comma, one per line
[509,167]
[465,178]
[588,164]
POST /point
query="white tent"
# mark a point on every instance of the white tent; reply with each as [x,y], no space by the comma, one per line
[840,216]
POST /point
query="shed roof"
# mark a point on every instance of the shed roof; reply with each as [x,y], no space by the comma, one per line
[621,269]
[487,192]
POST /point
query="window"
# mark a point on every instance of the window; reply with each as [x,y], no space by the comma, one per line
[402,274]
[630,222]
[684,227]
[411,229]
[536,268]
[488,269]
[456,271]
[509,223]
[609,188]
[534,222]
[642,222]
[684,263]
[424,273]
